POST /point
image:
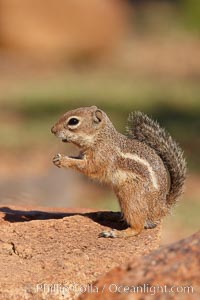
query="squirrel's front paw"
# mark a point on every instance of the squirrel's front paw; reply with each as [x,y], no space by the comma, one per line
[57,160]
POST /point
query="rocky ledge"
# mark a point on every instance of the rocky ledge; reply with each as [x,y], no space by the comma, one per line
[57,254]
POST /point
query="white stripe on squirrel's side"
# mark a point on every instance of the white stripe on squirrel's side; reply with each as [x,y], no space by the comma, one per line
[145,163]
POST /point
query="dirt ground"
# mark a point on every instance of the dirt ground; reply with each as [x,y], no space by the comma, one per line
[42,251]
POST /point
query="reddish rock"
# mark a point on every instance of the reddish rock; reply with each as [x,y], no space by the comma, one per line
[172,272]
[68,30]
[56,254]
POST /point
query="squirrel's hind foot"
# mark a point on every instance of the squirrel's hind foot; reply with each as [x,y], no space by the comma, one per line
[119,233]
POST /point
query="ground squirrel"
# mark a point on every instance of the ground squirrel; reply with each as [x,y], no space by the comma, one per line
[145,168]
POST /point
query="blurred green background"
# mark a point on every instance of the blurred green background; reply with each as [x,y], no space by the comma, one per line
[119,55]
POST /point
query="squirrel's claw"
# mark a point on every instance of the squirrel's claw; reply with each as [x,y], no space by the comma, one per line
[108,234]
[57,160]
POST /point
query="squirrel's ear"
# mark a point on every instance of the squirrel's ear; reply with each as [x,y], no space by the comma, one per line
[98,115]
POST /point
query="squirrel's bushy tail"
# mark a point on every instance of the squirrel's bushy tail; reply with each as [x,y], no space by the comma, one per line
[144,129]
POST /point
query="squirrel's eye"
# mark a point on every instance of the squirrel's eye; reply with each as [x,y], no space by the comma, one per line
[73,121]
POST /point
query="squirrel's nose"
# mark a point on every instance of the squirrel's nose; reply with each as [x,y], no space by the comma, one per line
[53,130]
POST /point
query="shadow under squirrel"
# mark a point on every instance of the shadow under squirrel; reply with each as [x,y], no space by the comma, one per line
[145,168]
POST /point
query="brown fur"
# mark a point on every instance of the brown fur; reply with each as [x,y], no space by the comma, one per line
[132,165]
